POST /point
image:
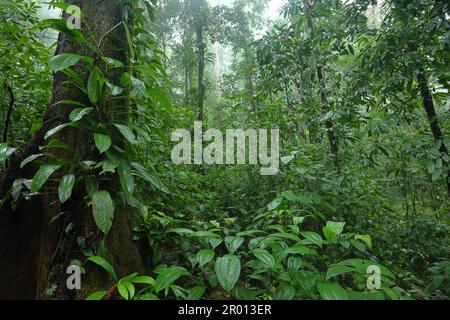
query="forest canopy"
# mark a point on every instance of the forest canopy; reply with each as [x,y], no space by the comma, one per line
[226,149]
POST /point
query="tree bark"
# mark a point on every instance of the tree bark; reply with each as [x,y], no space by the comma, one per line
[35,252]
[9,111]
[332,138]
[201,71]
[328,124]
[430,110]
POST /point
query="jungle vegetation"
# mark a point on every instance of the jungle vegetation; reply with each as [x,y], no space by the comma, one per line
[359,91]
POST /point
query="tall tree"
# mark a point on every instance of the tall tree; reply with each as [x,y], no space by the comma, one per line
[199,20]
[38,236]
[412,46]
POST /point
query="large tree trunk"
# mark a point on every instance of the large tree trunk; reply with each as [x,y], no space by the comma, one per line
[430,110]
[35,252]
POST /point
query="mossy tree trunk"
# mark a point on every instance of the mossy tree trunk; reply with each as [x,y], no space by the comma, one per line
[35,252]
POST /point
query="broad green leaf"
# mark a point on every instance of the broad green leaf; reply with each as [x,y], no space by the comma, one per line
[30,159]
[127,133]
[205,234]
[75,103]
[147,176]
[126,288]
[435,283]
[196,293]
[285,235]
[79,113]
[333,229]
[233,243]
[125,79]
[55,144]
[65,187]
[285,292]
[298,249]
[291,196]
[102,142]
[287,159]
[61,26]
[391,293]
[55,130]
[180,231]
[144,280]
[113,89]
[265,257]
[332,291]
[336,227]
[362,265]
[294,263]
[365,238]
[214,242]
[313,237]
[204,256]
[103,210]
[228,270]
[126,179]
[42,176]
[98,295]
[148,296]
[63,61]
[107,166]
[159,95]
[336,270]
[168,276]
[60,5]
[93,86]
[5,151]
[123,291]
[105,265]
[298,220]
[275,203]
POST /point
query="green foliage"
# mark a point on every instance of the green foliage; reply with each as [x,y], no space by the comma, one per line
[228,269]
[103,210]
[362,177]
[42,175]
[105,265]
[24,57]
[65,187]
[64,61]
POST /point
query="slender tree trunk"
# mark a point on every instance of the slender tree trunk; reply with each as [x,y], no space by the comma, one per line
[190,82]
[164,45]
[201,71]
[35,250]
[328,124]
[249,77]
[186,86]
[218,72]
[430,110]
[332,138]
[7,122]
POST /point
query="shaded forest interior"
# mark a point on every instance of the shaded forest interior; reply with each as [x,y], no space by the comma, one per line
[98,98]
